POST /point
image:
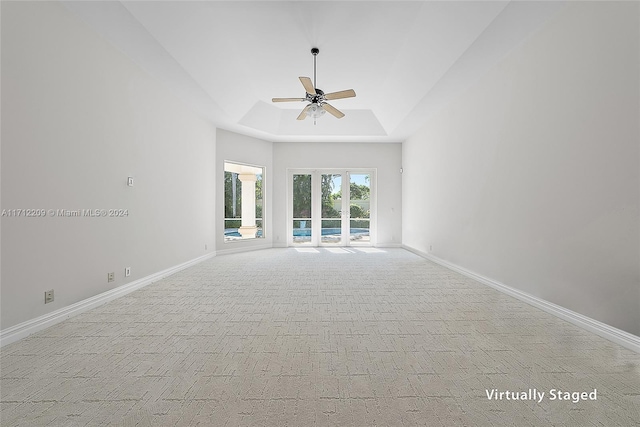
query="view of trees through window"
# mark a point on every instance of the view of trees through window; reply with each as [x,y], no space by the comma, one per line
[331,202]
[236,226]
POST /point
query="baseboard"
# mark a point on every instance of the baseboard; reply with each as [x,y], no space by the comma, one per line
[615,335]
[238,249]
[24,329]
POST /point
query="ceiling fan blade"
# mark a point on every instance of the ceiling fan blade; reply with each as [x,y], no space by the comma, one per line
[349,93]
[333,110]
[303,114]
[308,85]
[287,99]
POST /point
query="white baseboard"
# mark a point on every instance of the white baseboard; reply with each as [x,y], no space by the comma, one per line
[239,248]
[24,329]
[615,335]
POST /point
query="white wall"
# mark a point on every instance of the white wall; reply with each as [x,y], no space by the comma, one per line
[78,117]
[531,178]
[238,148]
[386,158]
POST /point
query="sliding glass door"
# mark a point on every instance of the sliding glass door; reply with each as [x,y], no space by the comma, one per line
[331,213]
[359,208]
[302,208]
[331,207]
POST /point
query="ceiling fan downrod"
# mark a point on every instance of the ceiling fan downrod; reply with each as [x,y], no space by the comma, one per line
[314,51]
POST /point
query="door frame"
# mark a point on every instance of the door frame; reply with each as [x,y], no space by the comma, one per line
[316,208]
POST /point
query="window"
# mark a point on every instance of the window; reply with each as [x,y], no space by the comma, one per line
[243,201]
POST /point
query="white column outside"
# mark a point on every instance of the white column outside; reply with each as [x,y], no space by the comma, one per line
[248,229]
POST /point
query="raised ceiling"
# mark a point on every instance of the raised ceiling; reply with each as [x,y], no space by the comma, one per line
[405,60]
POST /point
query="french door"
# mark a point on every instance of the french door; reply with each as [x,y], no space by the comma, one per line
[331,207]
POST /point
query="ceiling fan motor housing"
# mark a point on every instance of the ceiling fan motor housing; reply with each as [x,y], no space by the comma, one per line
[318,97]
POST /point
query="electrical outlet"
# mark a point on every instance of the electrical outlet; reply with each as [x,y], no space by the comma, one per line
[205,246]
[48,296]
[127,272]
[430,248]
[111,277]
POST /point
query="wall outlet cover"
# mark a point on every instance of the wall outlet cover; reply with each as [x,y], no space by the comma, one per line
[48,296]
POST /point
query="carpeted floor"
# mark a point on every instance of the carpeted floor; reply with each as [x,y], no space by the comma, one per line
[282,337]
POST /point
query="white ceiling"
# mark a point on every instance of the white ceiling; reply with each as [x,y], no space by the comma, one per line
[405,60]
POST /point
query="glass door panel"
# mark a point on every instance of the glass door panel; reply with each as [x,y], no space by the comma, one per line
[301,209]
[331,209]
[359,208]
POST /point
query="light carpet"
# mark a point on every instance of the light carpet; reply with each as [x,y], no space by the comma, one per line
[315,337]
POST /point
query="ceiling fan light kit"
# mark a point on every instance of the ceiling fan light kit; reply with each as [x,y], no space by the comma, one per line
[316,97]
[315,111]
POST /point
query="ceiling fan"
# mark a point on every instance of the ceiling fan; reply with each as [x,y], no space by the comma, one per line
[317,98]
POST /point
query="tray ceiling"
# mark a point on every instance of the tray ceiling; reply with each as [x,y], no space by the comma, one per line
[405,60]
